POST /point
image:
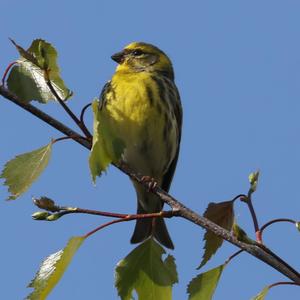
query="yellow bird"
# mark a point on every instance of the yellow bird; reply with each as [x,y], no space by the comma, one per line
[141,105]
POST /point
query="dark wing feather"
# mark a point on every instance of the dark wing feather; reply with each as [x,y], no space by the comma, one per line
[102,97]
[167,179]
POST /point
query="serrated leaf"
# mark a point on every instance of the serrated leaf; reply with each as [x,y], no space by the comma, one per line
[52,269]
[20,172]
[144,271]
[203,286]
[27,79]
[222,214]
[262,294]
[107,147]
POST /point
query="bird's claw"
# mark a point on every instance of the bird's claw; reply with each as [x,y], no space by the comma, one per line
[151,183]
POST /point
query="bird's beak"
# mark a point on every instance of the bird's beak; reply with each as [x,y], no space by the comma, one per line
[118,57]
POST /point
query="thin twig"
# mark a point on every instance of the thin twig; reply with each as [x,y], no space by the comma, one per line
[282,283]
[233,256]
[276,221]
[162,214]
[248,201]
[83,112]
[67,109]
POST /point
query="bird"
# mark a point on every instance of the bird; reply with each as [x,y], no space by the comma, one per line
[142,106]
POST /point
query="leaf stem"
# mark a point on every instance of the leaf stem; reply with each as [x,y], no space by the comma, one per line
[282,283]
[276,221]
[66,108]
[233,256]
[6,71]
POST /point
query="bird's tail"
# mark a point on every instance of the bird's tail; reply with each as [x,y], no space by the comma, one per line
[156,227]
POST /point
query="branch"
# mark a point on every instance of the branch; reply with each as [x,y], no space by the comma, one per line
[258,251]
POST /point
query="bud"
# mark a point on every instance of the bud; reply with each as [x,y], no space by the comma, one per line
[53,217]
[40,215]
[46,203]
[297,225]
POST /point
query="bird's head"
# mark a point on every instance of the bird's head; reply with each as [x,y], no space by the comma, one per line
[139,57]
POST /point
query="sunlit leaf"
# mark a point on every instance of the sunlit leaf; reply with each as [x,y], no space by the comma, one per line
[20,172]
[27,79]
[262,294]
[107,147]
[222,214]
[203,286]
[145,272]
[52,269]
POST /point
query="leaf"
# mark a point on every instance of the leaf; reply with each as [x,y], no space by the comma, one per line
[241,235]
[144,271]
[222,214]
[203,286]
[253,180]
[262,294]
[107,147]
[27,79]
[52,269]
[20,172]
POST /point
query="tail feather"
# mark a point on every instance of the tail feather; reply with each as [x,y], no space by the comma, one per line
[144,228]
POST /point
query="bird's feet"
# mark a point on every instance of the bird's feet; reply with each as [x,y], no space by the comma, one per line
[151,183]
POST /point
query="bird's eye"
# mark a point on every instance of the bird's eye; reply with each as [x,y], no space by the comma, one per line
[137,52]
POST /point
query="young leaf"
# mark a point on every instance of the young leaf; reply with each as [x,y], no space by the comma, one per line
[203,286]
[253,180]
[262,294]
[222,214]
[241,235]
[52,269]
[107,147]
[20,172]
[27,79]
[144,271]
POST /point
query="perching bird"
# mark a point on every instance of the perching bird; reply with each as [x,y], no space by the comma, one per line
[142,106]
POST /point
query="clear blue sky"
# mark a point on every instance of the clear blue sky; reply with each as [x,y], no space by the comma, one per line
[237,66]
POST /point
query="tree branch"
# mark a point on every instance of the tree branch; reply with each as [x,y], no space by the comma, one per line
[258,251]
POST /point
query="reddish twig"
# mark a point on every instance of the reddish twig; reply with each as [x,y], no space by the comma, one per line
[6,71]
[162,214]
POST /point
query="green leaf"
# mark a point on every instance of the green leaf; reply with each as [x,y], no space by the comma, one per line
[27,79]
[262,294]
[253,180]
[107,147]
[144,271]
[52,269]
[241,235]
[20,172]
[203,286]
[222,214]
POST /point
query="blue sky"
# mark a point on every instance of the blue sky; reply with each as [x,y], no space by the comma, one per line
[237,67]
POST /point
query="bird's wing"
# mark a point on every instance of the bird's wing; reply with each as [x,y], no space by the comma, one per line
[102,97]
[167,179]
